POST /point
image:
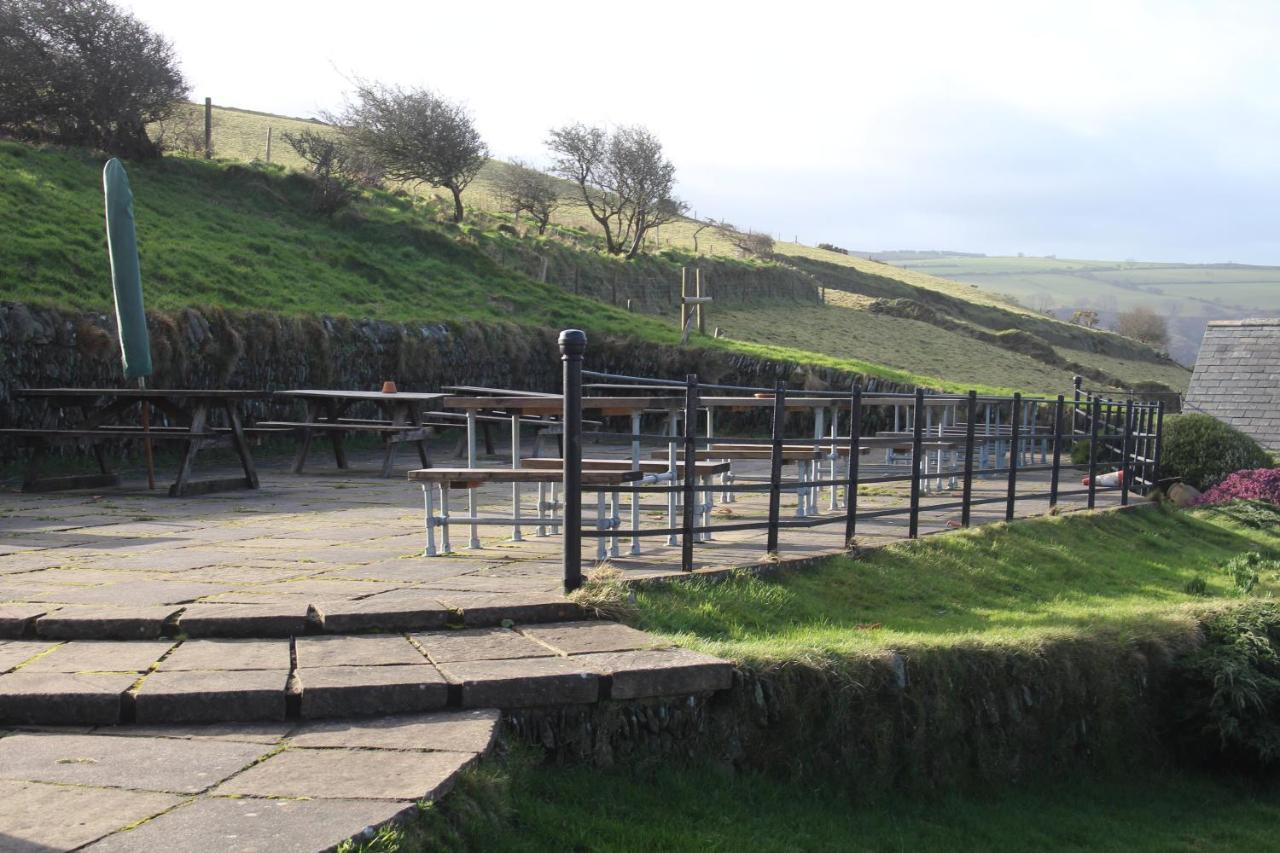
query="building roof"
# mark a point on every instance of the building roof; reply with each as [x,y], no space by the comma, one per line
[1237,377]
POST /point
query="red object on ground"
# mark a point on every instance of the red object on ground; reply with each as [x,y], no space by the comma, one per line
[1115,478]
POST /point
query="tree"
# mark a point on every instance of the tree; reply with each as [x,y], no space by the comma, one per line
[416,135]
[83,72]
[623,180]
[527,190]
[1143,324]
[752,243]
[337,170]
[1085,317]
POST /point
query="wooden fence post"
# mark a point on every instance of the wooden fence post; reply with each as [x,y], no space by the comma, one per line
[208,128]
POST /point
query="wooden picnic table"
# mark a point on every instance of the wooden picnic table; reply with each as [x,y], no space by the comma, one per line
[187,410]
[326,412]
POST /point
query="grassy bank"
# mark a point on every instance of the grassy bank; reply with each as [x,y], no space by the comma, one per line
[1020,584]
[522,807]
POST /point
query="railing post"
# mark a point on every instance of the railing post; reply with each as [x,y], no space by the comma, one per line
[851,485]
[1015,427]
[1093,451]
[573,343]
[775,465]
[690,470]
[917,443]
[1126,447]
[1155,465]
[1055,476]
[966,495]
[1075,402]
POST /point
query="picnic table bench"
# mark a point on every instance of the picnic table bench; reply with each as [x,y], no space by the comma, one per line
[188,411]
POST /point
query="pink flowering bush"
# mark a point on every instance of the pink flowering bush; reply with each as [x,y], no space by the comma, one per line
[1255,484]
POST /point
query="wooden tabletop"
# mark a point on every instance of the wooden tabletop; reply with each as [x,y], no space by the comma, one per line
[411,396]
[142,393]
[477,476]
[502,392]
[555,403]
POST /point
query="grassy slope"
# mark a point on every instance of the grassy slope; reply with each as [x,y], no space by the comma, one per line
[1020,583]
[914,348]
[702,809]
[214,233]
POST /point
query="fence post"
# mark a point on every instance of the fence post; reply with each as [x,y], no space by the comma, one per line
[690,469]
[1015,427]
[1093,450]
[851,485]
[573,343]
[1075,402]
[1155,469]
[775,465]
[1057,451]
[967,491]
[208,128]
[1126,447]
[917,434]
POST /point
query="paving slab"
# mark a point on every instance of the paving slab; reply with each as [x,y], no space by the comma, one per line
[35,816]
[360,691]
[398,610]
[100,656]
[357,651]
[263,733]
[479,644]
[522,682]
[228,654]
[244,620]
[58,698]
[325,774]
[479,609]
[106,622]
[147,764]
[211,697]
[448,731]
[14,652]
[18,620]
[252,825]
[659,672]
[134,593]
[585,637]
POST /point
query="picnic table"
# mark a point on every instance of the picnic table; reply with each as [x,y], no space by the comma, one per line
[188,412]
[326,412]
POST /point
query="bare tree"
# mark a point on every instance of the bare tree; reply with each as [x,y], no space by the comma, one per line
[84,72]
[752,243]
[623,180]
[525,189]
[1042,303]
[337,170]
[1144,324]
[417,136]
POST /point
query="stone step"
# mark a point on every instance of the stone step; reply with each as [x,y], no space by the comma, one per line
[248,786]
[398,610]
[219,680]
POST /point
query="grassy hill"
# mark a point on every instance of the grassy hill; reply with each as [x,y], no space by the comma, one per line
[1188,294]
[235,232]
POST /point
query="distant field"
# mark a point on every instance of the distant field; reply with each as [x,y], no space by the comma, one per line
[1189,295]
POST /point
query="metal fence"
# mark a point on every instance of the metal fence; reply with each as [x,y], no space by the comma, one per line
[963,436]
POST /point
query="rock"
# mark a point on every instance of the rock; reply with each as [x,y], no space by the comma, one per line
[1183,495]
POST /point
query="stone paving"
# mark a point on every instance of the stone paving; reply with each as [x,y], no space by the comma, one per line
[279,786]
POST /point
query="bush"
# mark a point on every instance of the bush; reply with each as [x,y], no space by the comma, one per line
[1227,693]
[1255,484]
[1204,451]
[337,170]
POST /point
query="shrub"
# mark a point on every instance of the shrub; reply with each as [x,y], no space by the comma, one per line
[1255,484]
[337,170]
[1204,451]
[1227,693]
[1246,570]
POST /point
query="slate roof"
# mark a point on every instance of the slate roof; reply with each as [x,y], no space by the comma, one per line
[1237,377]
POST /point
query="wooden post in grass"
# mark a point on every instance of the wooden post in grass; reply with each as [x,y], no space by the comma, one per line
[1015,431]
[775,465]
[967,492]
[268,144]
[684,301]
[917,443]
[702,317]
[1093,450]
[690,470]
[208,128]
[1057,451]
[851,485]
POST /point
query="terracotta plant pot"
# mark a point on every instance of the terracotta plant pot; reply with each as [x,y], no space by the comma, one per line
[388,387]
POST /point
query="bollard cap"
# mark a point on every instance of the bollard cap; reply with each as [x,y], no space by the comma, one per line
[573,341]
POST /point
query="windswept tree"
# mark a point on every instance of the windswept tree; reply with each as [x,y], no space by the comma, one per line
[417,136]
[624,180]
[338,171]
[524,189]
[1144,324]
[84,72]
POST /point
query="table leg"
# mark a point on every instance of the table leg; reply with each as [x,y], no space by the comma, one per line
[471,463]
[240,444]
[400,415]
[337,437]
[444,519]
[304,446]
[516,534]
[429,519]
[191,447]
[634,497]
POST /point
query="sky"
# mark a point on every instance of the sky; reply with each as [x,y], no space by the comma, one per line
[1108,130]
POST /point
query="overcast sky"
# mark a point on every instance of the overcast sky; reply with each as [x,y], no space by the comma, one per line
[1102,130]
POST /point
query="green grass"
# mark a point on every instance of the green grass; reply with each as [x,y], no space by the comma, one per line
[1021,584]
[523,807]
